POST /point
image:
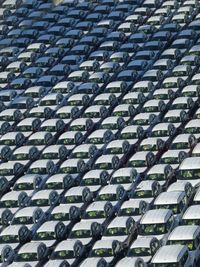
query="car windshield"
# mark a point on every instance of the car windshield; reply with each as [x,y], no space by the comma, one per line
[137,163]
[109,125]
[121,180]
[92,115]
[32,94]
[9,142]
[192,130]
[40,202]
[54,185]
[189,243]
[169,160]
[30,75]
[156,176]
[4,172]
[122,113]
[63,115]
[172,119]
[23,220]
[113,90]
[179,106]
[130,101]
[107,197]
[116,231]
[130,135]
[50,156]
[179,73]
[143,194]
[171,264]
[45,236]
[77,127]
[69,170]
[74,102]
[60,216]
[148,147]
[27,257]
[140,252]
[81,154]
[180,145]
[9,239]
[173,207]
[74,199]
[66,141]
[152,229]
[101,102]
[161,96]
[104,165]
[5,98]
[129,212]
[49,128]
[115,150]
[6,118]
[170,85]
[91,181]
[82,233]
[191,221]
[48,102]
[141,121]
[9,203]
[160,133]
[102,252]
[95,214]
[189,174]
[36,142]
[21,156]
[63,254]
[151,109]
[37,170]
[23,186]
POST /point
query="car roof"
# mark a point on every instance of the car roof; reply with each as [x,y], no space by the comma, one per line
[170,253]
[156,216]
[143,242]
[171,197]
[192,163]
[184,232]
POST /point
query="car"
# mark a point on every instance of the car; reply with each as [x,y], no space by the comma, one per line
[28,125]
[46,199]
[146,190]
[173,157]
[175,254]
[101,212]
[25,155]
[144,248]
[32,217]
[128,177]
[70,139]
[141,161]
[163,173]
[192,127]
[36,253]
[109,250]
[50,233]
[176,201]
[86,231]
[15,235]
[190,239]
[69,250]
[157,223]
[189,171]
[133,262]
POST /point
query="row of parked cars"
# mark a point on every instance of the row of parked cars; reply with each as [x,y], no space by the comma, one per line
[99,133]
